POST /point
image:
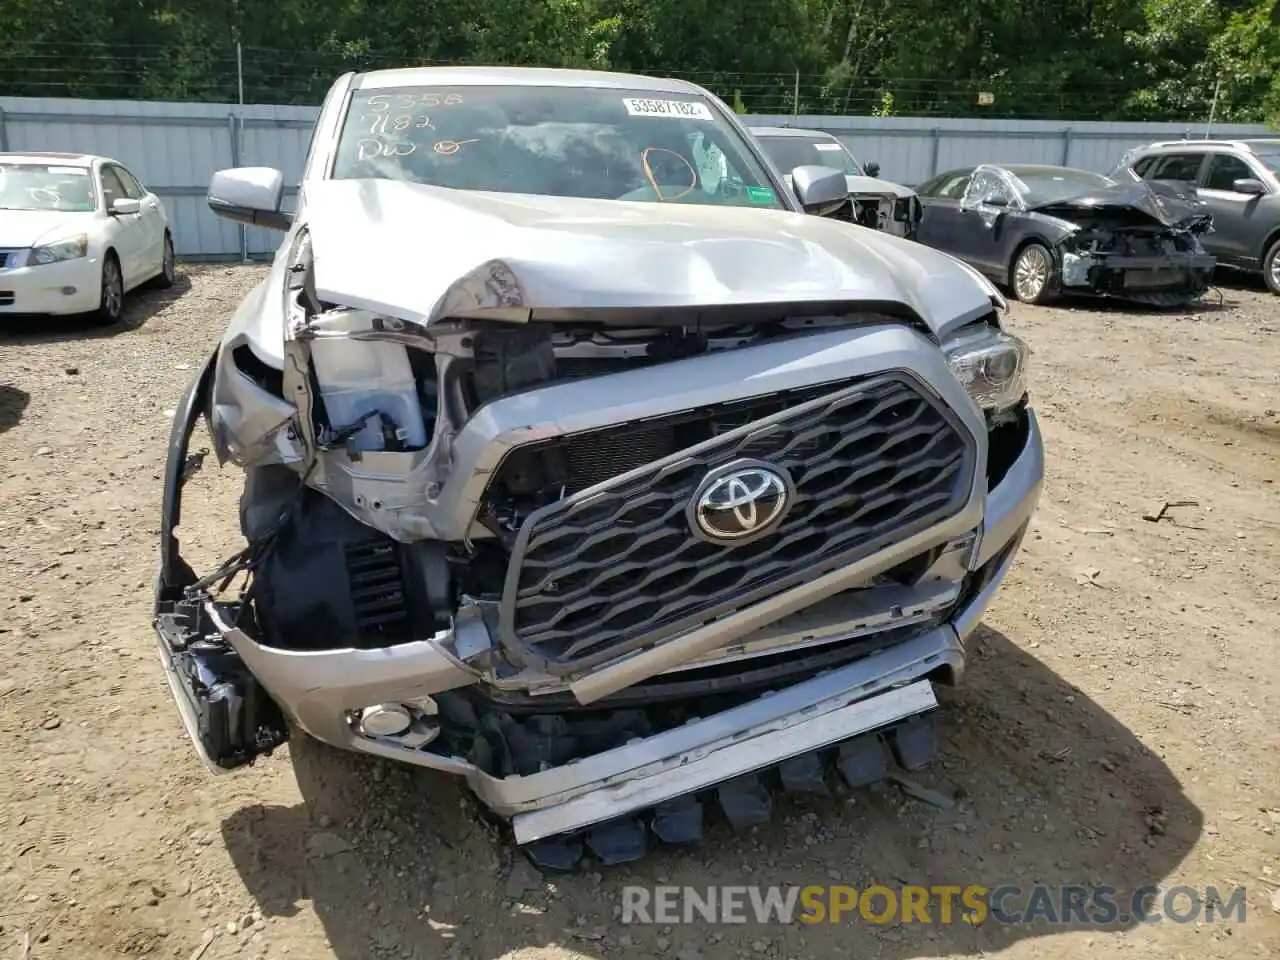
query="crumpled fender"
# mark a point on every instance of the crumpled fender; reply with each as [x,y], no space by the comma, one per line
[175,572]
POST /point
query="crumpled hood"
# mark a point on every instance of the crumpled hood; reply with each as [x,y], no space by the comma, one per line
[1127,200]
[27,228]
[876,185]
[421,253]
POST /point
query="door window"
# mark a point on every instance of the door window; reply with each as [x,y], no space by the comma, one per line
[112,188]
[983,186]
[132,189]
[1176,166]
[1143,166]
[949,185]
[1225,170]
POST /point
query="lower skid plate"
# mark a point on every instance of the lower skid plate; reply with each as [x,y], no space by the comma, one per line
[744,799]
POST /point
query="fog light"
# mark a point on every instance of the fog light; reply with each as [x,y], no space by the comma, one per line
[384,720]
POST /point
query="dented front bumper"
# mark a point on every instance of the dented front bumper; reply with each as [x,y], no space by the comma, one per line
[321,690]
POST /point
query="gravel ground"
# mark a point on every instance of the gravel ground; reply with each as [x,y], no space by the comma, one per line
[1119,722]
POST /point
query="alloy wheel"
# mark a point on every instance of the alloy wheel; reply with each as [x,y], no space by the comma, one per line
[112,289]
[1031,274]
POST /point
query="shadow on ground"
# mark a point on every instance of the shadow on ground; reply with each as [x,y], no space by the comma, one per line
[139,307]
[1052,790]
[12,404]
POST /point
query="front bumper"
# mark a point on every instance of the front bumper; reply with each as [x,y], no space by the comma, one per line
[318,689]
[1137,276]
[66,287]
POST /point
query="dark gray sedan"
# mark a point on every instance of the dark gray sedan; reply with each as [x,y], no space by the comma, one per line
[1044,231]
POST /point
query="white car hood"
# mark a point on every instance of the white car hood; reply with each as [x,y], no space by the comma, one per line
[28,228]
[421,253]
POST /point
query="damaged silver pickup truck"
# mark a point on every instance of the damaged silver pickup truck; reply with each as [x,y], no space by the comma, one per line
[586,461]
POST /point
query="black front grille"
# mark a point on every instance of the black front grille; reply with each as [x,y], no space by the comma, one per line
[618,566]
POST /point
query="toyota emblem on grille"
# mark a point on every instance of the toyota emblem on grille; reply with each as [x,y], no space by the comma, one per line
[740,501]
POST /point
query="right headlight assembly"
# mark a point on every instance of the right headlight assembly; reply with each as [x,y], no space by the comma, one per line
[991,364]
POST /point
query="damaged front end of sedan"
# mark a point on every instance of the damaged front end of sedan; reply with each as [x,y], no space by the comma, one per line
[615,565]
[1136,242]
[883,205]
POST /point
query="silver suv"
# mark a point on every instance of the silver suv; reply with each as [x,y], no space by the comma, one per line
[1239,180]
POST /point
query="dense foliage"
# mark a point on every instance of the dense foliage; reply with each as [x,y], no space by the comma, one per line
[1079,59]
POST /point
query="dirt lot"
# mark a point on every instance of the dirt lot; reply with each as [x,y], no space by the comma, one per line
[1120,723]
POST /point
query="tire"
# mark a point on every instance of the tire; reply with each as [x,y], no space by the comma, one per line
[1271,267]
[168,274]
[1031,277]
[111,300]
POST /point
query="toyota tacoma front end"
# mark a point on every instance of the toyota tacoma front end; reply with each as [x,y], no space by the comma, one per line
[617,503]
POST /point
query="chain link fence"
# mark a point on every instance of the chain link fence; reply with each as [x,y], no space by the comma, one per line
[232,74]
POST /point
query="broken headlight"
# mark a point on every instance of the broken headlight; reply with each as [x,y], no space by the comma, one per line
[991,364]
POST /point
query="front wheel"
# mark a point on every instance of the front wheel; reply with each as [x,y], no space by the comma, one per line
[1271,267]
[111,301]
[1033,274]
[168,266]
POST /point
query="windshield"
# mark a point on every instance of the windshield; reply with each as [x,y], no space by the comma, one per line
[1271,161]
[34,186]
[590,142]
[1049,186]
[787,153]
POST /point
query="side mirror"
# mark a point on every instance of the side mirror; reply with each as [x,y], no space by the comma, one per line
[250,195]
[124,206]
[872,169]
[1255,188]
[820,190]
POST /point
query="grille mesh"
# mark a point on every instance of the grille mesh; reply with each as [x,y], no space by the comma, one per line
[618,567]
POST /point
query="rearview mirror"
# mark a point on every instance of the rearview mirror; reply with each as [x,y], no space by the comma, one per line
[250,195]
[995,200]
[124,206]
[872,169]
[820,190]
[1255,188]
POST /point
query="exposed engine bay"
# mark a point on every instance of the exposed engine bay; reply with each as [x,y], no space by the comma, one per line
[1144,263]
[896,215]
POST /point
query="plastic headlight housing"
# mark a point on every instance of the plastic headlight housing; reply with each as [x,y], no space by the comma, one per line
[73,248]
[991,364]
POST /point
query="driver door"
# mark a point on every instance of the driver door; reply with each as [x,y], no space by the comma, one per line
[125,231]
[987,202]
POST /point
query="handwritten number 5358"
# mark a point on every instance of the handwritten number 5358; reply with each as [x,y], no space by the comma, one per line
[383,102]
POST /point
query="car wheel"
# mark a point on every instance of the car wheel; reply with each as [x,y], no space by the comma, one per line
[168,267]
[111,301]
[1271,267]
[1033,274]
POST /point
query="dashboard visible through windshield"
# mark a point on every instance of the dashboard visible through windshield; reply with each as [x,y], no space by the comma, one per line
[551,141]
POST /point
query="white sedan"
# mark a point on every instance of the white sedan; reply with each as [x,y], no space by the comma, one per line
[77,232]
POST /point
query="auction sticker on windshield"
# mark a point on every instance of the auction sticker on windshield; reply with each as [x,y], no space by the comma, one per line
[827,146]
[761,195]
[686,109]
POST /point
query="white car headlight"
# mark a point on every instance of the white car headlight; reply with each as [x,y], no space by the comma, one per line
[73,248]
[991,364]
